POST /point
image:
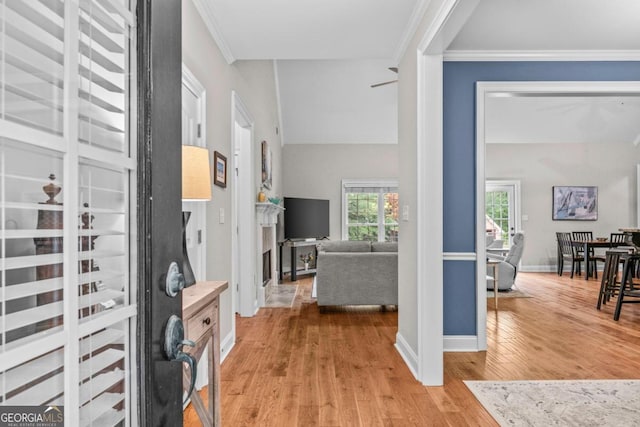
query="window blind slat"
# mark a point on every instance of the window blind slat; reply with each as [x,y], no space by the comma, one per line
[99,384]
[40,393]
[30,261]
[99,362]
[98,14]
[40,15]
[33,315]
[97,35]
[28,289]
[101,408]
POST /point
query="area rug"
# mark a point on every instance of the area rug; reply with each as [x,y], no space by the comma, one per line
[513,293]
[282,296]
[560,403]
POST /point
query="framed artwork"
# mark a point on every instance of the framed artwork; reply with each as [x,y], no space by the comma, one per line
[266,165]
[220,171]
[575,203]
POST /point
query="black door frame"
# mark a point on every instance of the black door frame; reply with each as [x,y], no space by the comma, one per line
[159,210]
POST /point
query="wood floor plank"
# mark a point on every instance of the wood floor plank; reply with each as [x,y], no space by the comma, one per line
[300,367]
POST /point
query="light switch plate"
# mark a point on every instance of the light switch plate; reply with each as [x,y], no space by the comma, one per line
[221,215]
[405,213]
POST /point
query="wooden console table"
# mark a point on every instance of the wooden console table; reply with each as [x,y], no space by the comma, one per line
[200,313]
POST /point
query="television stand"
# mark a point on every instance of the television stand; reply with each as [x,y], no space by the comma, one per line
[293,246]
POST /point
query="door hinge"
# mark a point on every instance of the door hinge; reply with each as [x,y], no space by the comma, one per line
[237,287]
[199,130]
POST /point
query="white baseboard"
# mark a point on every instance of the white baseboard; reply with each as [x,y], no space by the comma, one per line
[548,268]
[538,268]
[226,345]
[408,355]
[456,343]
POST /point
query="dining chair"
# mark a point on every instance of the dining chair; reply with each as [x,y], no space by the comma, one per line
[610,285]
[569,253]
[627,288]
[583,236]
[617,238]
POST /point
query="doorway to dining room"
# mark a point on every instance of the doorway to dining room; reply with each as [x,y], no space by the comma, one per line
[555,133]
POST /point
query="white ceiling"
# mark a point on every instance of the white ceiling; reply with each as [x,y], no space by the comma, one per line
[312,29]
[563,119]
[551,25]
[330,51]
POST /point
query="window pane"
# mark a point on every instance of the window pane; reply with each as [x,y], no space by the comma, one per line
[363,208]
[363,233]
[391,233]
[391,208]
[31,290]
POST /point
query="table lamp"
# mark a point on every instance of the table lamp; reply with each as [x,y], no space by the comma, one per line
[196,186]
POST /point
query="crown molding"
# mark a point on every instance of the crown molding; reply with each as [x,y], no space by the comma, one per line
[205,9]
[542,55]
[416,16]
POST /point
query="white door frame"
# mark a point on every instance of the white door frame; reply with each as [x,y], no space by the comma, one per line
[484,89]
[243,241]
[199,220]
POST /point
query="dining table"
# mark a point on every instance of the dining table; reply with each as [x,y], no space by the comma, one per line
[587,245]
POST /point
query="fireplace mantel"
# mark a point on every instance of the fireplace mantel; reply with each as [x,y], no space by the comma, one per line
[267,213]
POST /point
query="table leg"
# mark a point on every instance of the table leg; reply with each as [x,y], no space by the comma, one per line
[495,286]
[294,258]
[586,261]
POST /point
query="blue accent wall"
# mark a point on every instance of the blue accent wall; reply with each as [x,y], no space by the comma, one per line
[459,168]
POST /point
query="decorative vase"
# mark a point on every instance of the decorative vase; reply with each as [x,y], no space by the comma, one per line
[261,197]
[306,266]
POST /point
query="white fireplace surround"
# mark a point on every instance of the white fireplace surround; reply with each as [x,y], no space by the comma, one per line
[266,220]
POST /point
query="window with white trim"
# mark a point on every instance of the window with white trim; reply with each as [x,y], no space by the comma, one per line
[370,210]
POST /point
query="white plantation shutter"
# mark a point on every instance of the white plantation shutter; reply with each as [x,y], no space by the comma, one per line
[67,208]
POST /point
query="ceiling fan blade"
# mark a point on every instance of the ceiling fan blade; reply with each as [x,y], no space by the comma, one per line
[384,83]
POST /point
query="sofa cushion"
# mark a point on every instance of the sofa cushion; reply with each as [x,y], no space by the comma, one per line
[345,246]
[384,246]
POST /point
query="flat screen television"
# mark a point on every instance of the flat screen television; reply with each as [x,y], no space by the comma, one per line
[305,218]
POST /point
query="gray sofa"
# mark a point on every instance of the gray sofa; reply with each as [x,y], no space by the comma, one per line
[357,273]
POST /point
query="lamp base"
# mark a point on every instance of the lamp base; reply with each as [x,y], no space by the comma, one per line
[187,271]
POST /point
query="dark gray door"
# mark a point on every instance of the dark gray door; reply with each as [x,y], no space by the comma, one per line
[159,47]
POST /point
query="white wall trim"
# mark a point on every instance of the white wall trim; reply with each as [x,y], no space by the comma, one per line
[429,215]
[542,55]
[461,343]
[226,345]
[459,256]
[246,306]
[416,16]
[481,247]
[276,77]
[408,355]
[207,12]
[429,274]
[546,268]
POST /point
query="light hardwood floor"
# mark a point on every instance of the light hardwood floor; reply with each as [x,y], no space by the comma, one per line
[298,367]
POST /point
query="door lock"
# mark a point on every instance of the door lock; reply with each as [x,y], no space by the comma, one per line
[175,280]
[173,343]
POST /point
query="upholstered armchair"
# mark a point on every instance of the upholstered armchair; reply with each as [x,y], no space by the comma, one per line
[507,269]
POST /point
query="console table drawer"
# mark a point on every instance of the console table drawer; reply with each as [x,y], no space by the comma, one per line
[202,322]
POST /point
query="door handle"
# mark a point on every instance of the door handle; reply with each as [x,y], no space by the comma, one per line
[173,343]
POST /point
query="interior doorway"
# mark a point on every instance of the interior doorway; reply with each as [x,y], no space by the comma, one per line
[243,239]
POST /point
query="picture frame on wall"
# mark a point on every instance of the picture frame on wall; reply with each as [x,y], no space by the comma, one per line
[220,170]
[575,203]
[266,165]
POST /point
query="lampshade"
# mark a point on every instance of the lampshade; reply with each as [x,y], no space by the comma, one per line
[196,173]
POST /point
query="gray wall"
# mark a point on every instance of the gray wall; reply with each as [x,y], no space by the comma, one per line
[612,168]
[316,171]
[255,84]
